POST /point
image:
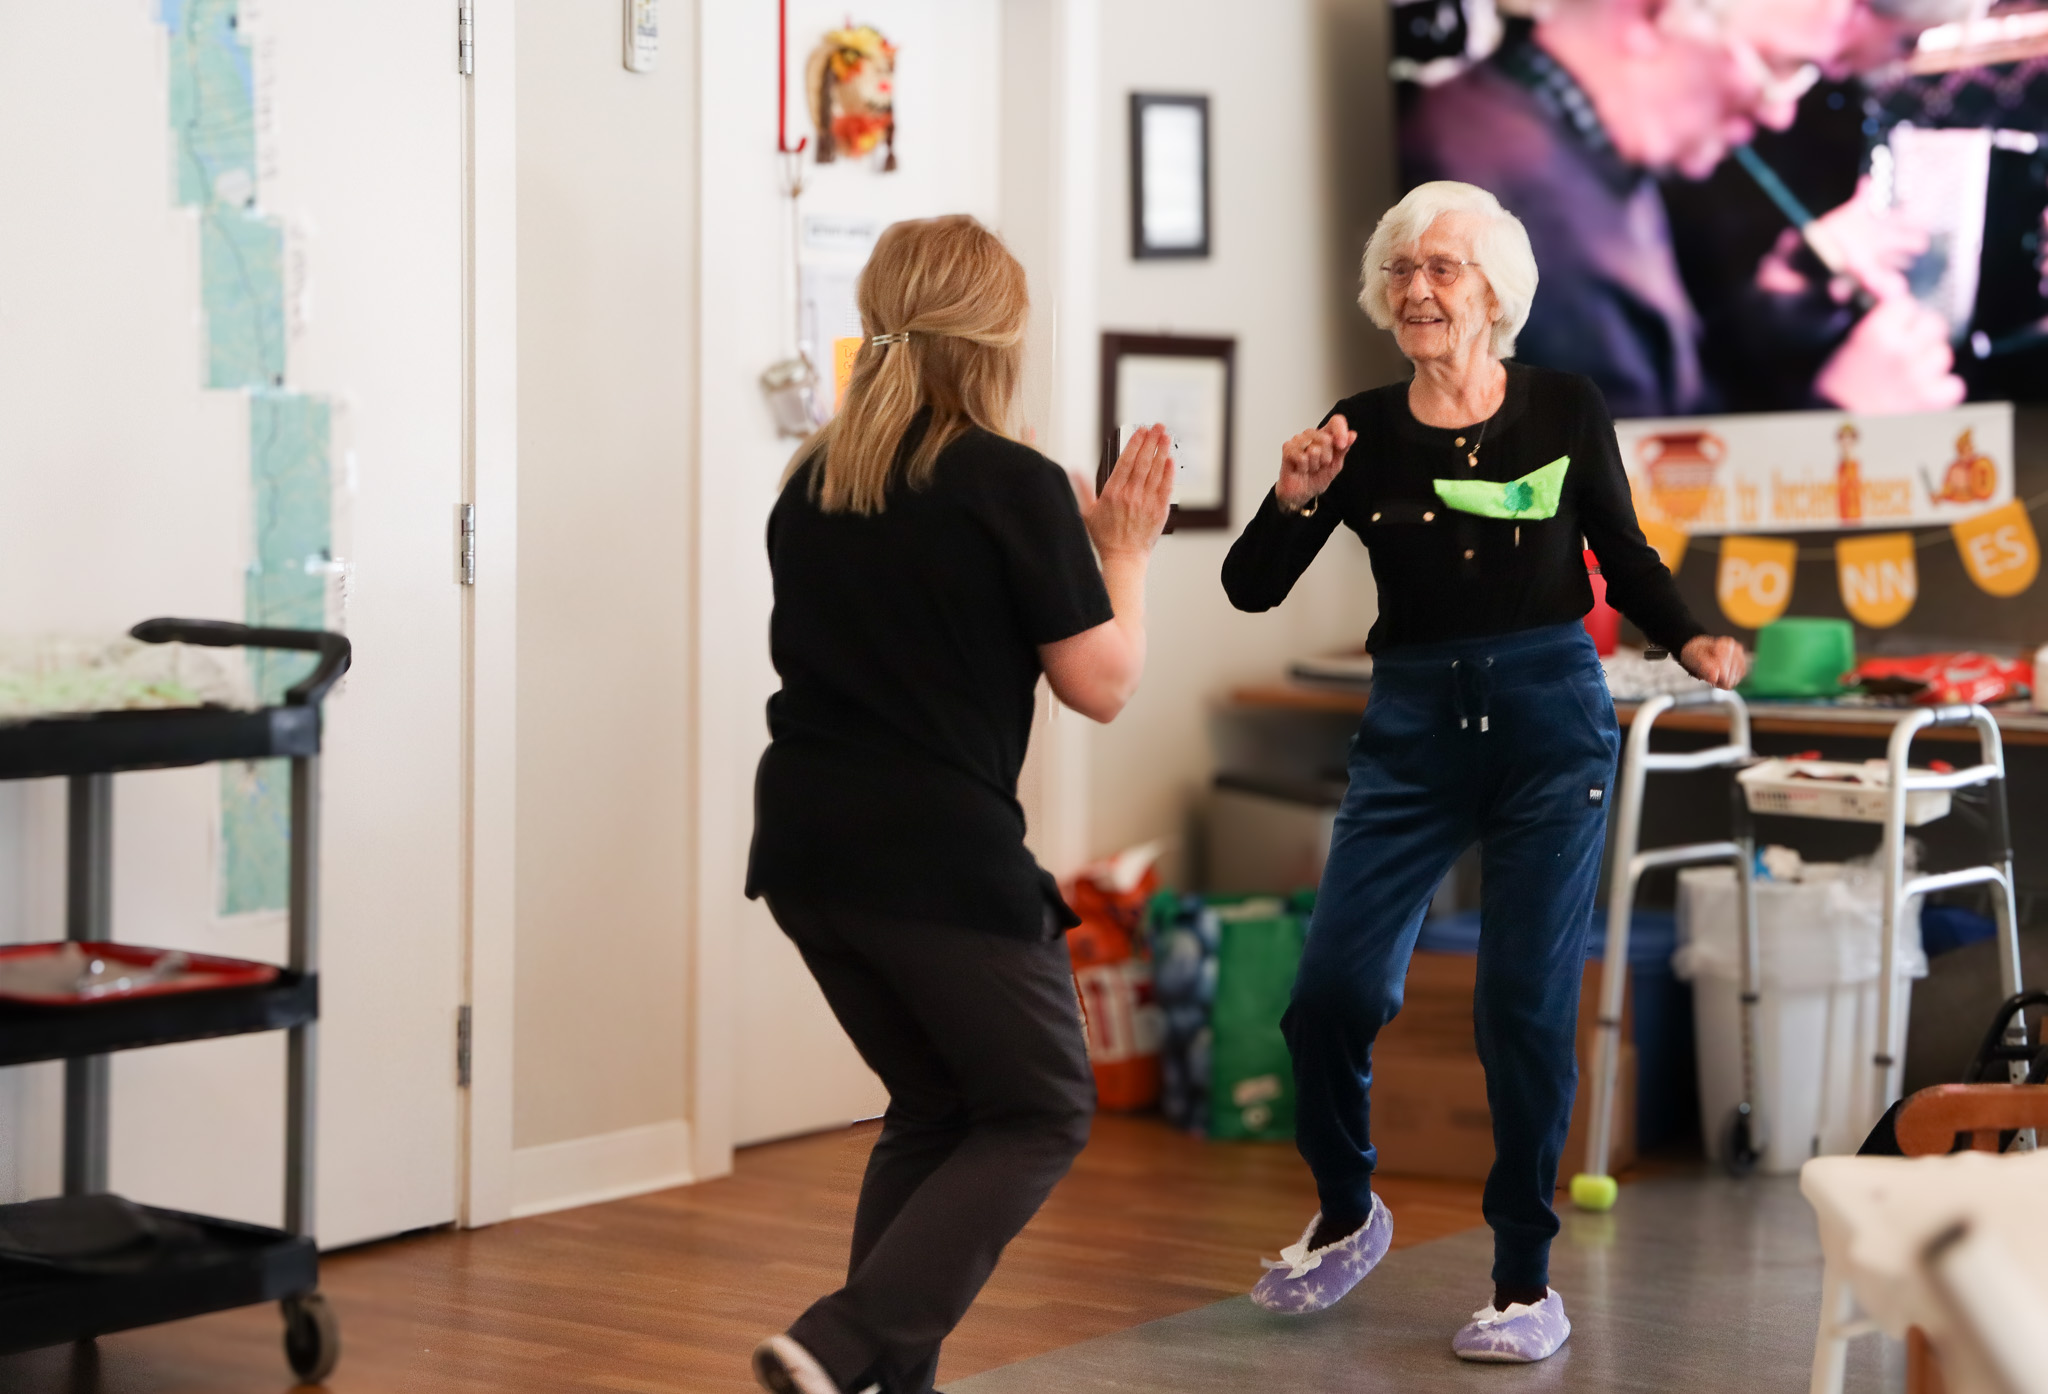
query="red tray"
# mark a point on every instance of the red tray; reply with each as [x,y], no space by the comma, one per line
[201,973]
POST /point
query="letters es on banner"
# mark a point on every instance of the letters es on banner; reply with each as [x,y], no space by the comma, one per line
[1754,584]
[1879,576]
[1819,471]
[1999,549]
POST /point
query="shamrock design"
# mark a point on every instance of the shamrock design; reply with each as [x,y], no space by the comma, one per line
[1516,496]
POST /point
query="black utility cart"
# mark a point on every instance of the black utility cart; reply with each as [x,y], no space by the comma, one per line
[87,1263]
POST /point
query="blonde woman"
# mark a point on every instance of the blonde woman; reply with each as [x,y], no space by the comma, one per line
[1476,485]
[927,569]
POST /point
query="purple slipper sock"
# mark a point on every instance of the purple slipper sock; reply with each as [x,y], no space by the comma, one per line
[1518,1336]
[1308,1280]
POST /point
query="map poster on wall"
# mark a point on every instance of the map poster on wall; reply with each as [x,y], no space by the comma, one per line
[215,106]
[1819,471]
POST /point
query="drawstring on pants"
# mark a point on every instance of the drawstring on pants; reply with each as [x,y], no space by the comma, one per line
[1471,681]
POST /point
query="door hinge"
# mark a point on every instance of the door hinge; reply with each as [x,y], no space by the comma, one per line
[465,40]
[462,1039]
[466,557]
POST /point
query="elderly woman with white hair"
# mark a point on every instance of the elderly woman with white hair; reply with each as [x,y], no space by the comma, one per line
[1476,485]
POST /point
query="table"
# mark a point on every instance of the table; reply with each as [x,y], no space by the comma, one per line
[1877,1215]
[2017,725]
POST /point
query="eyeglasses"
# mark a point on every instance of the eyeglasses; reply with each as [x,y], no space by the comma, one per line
[1777,82]
[1442,271]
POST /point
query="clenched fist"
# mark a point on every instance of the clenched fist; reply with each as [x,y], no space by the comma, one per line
[1718,660]
[1311,461]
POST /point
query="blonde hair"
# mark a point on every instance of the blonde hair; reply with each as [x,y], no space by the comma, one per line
[1501,249]
[953,287]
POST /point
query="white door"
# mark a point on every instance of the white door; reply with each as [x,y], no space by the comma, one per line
[231,383]
[795,1071]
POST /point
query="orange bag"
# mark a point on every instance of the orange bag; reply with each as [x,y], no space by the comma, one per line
[1113,978]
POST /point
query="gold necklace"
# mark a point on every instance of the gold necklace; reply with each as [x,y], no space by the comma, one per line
[1472,455]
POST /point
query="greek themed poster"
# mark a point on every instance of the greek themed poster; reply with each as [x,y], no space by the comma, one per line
[1819,471]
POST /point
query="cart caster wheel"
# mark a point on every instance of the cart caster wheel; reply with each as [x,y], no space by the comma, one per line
[1595,1193]
[312,1337]
[1740,1154]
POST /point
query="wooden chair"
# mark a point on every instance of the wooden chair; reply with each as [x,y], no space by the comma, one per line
[1932,1119]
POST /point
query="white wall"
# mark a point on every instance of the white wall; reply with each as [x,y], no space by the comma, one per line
[607,230]
[1301,165]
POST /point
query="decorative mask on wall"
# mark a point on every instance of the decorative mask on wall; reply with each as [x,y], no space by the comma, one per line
[851,81]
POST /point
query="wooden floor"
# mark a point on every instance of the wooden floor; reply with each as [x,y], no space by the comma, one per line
[669,1292]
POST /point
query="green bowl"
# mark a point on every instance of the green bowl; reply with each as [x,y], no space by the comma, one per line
[1801,658]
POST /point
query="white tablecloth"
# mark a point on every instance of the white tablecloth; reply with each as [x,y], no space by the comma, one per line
[1877,1215]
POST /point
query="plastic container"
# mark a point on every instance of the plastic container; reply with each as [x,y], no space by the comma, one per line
[1603,621]
[1834,790]
[1662,1011]
[1820,940]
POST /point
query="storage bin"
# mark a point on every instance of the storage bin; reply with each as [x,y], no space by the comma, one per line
[1821,955]
[1836,790]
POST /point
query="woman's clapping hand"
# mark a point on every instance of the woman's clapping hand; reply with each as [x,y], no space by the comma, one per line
[1132,511]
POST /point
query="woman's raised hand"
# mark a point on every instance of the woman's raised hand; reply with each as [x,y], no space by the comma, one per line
[1311,461]
[1132,511]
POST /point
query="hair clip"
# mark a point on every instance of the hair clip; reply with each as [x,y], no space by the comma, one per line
[884,339]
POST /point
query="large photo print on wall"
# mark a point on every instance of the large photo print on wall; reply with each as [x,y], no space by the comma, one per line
[1754,204]
[1799,245]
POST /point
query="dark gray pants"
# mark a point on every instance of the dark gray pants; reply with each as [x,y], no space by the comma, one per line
[978,1038]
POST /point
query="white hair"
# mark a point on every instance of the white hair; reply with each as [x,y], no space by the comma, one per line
[1501,250]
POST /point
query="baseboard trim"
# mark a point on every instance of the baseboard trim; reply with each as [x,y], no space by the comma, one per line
[607,1166]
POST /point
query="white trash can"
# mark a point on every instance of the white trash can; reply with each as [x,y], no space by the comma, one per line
[1821,938]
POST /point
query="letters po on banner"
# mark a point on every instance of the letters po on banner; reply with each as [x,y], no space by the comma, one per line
[1754,584]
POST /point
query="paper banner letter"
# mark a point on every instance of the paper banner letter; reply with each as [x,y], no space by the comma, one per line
[1755,581]
[1669,542]
[844,351]
[1999,549]
[1880,579]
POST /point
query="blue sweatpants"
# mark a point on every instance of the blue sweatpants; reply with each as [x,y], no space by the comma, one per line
[1508,741]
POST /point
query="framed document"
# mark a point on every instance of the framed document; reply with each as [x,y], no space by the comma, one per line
[1185,385]
[1169,176]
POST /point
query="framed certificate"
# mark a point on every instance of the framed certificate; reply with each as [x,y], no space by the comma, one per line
[1184,384]
[1169,176]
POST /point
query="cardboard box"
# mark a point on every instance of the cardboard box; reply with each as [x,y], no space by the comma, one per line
[1429,1111]
[1430,1117]
[1436,1010]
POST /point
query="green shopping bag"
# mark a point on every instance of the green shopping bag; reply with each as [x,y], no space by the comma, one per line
[1251,1076]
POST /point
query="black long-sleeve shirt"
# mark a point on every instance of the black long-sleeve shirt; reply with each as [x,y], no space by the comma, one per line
[1445,574]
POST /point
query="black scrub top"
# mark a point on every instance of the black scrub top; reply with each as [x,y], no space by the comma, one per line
[907,642]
